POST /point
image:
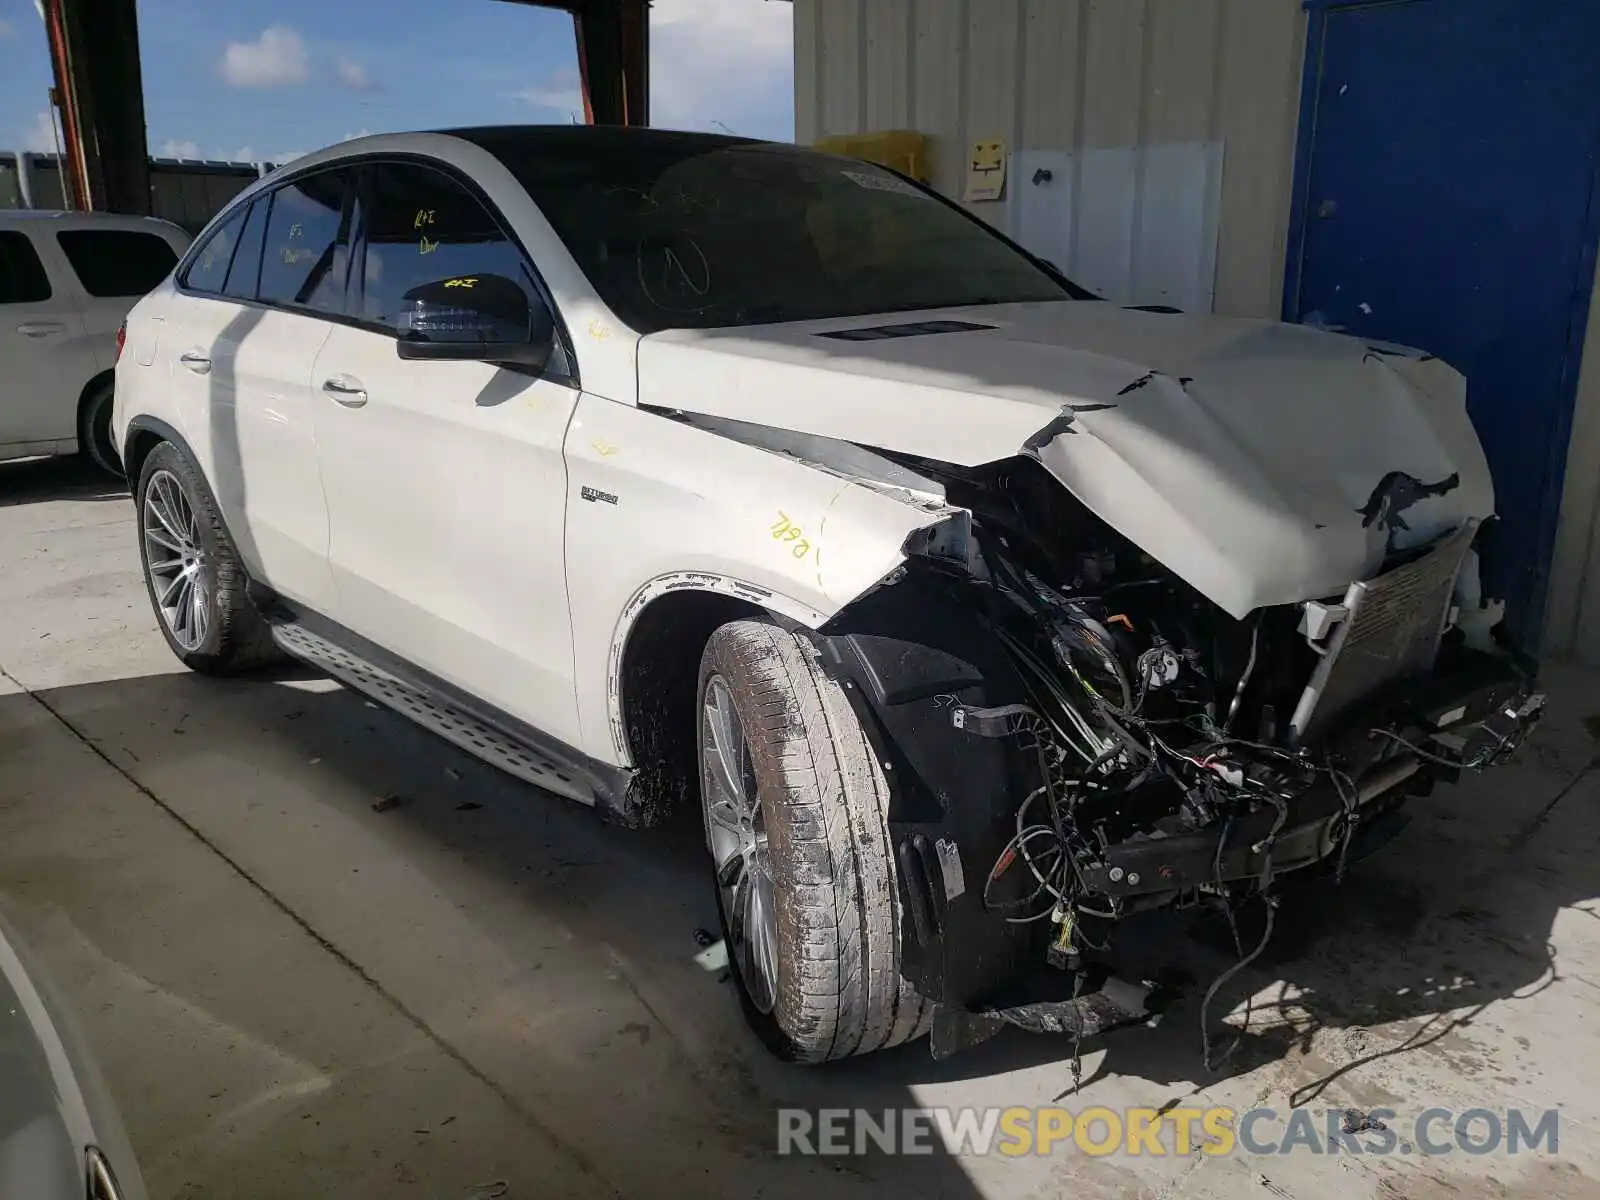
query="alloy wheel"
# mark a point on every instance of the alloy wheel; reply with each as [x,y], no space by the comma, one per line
[737,837]
[175,560]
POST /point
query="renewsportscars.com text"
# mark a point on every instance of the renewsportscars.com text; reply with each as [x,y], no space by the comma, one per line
[1101,1131]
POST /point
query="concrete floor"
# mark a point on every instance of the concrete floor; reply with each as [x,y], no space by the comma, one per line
[292,994]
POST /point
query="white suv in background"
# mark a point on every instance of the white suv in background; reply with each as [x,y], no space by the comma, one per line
[67,281]
[656,467]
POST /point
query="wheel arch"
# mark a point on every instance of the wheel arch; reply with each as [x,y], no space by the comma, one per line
[143,435]
[652,670]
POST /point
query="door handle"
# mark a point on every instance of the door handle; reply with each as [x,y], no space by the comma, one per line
[345,390]
[199,363]
[38,329]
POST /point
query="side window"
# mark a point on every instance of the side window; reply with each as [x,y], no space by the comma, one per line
[245,273]
[423,227]
[117,262]
[22,276]
[307,245]
[208,265]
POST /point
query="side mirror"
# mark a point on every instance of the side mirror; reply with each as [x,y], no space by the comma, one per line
[475,318]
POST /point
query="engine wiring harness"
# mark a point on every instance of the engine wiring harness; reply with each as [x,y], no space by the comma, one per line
[1134,741]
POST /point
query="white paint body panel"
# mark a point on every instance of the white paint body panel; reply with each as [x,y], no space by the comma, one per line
[445,497]
[692,503]
[1247,482]
[246,407]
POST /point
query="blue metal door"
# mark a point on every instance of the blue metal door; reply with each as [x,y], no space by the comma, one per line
[1444,198]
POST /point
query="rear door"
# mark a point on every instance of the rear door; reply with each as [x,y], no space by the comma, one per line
[445,480]
[242,340]
[41,345]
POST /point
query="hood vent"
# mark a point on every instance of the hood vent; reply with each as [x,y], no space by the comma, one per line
[877,333]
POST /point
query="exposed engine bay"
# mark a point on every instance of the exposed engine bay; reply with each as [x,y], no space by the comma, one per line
[1194,606]
[1172,755]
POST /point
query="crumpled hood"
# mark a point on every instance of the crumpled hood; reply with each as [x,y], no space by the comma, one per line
[1263,463]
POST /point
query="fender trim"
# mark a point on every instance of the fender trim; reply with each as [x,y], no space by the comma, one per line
[147,424]
[684,581]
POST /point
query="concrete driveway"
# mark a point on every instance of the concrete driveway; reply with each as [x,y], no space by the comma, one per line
[477,990]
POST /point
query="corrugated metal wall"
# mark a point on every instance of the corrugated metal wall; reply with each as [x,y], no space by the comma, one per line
[186,193]
[1572,623]
[1084,75]
[1077,76]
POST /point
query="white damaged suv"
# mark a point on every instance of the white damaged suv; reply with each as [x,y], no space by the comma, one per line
[662,468]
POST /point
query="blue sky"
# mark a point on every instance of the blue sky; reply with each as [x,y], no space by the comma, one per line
[266,79]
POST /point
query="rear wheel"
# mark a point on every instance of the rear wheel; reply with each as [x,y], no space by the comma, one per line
[795,807]
[197,584]
[94,430]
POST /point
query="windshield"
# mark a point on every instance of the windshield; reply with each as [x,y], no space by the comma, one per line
[689,234]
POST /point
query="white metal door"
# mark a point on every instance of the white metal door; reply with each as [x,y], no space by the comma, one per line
[242,374]
[446,490]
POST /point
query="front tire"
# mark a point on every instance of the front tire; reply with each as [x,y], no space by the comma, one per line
[197,585]
[795,806]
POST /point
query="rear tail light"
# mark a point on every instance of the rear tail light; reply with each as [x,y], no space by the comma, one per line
[122,336]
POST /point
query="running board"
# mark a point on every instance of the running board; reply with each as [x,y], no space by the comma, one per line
[432,710]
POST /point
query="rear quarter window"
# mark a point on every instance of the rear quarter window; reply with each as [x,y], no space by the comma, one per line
[117,262]
[207,270]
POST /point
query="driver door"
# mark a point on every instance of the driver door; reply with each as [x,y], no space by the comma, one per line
[445,481]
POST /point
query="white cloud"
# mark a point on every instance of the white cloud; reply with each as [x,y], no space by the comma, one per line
[558,93]
[351,74]
[275,59]
[716,63]
[284,156]
[7,29]
[242,154]
[362,132]
[41,135]
[172,148]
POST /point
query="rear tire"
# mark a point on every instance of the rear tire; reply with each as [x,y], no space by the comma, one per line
[94,431]
[818,829]
[197,584]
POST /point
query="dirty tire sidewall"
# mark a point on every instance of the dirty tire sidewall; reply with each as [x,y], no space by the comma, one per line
[839,990]
[237,638]
[94,431]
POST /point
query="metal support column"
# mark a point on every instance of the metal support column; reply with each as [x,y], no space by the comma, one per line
[94,48]
[614,60]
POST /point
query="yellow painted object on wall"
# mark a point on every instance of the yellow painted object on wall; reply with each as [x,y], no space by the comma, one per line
[902,150]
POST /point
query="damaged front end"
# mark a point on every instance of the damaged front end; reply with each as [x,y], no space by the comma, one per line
[1074,735]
